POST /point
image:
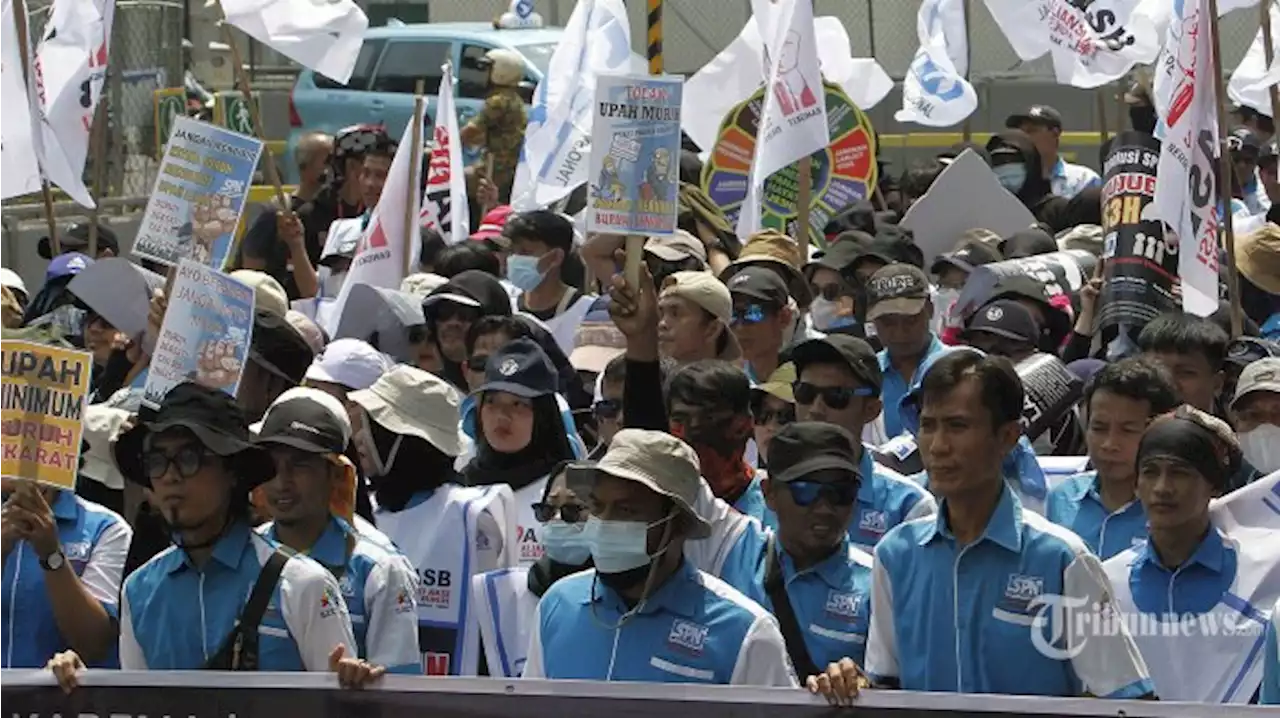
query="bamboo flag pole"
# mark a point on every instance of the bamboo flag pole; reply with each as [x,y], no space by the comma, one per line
[97,148]
[1225,170]
[1100,97]
[46,192]
[415,161]
[242,80]
[634,243]
[1264,10]
[804,197]
[968,61]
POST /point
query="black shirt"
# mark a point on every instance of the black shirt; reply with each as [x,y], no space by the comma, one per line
[262,241]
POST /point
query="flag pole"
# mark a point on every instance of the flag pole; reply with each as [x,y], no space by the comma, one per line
[1264,10]
[968,125]
[97,147]
[24,45]
[1101,101]
[1225,171]
[242,80]
[634,242]
[804,197]
[415,161]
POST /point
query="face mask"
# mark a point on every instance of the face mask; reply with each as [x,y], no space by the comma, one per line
[380,466]
[1011,177]
[523,273]
[620,546]
[566,543]
[827,315]
[1261,447]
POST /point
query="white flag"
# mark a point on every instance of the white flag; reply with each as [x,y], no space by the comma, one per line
[324,35]
[1252,80]
[19,132]
[444,201]
[379,260]
[935,91]
[557,140]
[1092,43]
[793,121]
[1186,195]
[70,66]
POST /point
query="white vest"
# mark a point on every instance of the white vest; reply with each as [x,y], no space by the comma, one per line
[564,325]
[500,618]
[428,534]
[528,545]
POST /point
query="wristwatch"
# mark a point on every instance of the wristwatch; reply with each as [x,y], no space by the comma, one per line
[53,561]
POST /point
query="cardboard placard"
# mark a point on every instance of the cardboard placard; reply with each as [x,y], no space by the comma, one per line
[42,411]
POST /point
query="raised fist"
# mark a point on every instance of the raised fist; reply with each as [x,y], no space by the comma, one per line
[217,365]
[211,217]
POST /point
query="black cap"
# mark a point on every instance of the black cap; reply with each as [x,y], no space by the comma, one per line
[1247,350]
[897,289]
[520,367]
[761,283]
[893,244]
[1243,140]
[1036,114]
[215,419]
[806,447]
[1027,243]
[974,254]
[842,254]
[302,419]
[76,239]
[1006,318]
[853,352]
[472,288]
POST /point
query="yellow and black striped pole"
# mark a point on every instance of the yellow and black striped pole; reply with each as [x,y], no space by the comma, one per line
[655,37]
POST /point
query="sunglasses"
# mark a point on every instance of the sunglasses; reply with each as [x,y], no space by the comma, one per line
[750,314]
[570,513]
[807,493]
[186,460]
[607,409]
[829,292]
[782,416]
[477,362]
[836,397]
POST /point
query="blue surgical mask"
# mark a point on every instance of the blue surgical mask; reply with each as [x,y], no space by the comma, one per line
[523,273]
[619,546]
[1012,177]
[566,543]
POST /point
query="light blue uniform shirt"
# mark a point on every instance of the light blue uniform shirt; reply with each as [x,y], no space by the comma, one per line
[1195,587]
[694,629]
[378,586]
[895,385]
[885,499]
[95,541]
[751,502]
[953,618]
[176,616]
[1076,504]
[1068,179]
[1270,694]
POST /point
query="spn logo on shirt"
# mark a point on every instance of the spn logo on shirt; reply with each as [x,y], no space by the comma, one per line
[872,521]
[687,636]
[1023,589]
[842,605]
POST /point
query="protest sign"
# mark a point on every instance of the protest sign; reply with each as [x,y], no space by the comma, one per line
[636,166]
[43,394]
[205,336]
[966,195]
[1049,392]
[199,194]
[1059,272]
[1140,268]
[843,173]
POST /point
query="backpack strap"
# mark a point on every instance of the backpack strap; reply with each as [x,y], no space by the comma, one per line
[776,589]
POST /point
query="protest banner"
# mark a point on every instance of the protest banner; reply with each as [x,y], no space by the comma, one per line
[635,168]
[843,173]
[1050,391]
[1060,273]
[199,194]
[205,336]
[1140,267]
[44,395]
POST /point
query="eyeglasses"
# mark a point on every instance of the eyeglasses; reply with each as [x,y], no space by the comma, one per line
[829,292]
[750,314]
[836,397]
[782,416]
[608,409]
[570,513]
[807,493]
[186,460]
[477,362]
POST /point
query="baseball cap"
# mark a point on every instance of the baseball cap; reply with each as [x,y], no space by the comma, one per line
[491,225]
[422,283]
[772,248]
[661,463]
[520,367]
[841,254]
[676,247]
[11,280]
[342,240]
[1262,375]
[305,419]
[411,402]
[1244,141]
[965,258]
[1258,257]
[896,289]
[1036,114]
[352,363]
[760,283]
[76,239]
[268,295]
[704,290]
[1006,318]
[806,447]
[68,264]
[1243,351]
[851,351]
[595,344]
[892,244]
[780,383]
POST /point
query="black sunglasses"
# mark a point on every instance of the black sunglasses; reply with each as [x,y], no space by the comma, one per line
[836,397]
[186,460]
[570,513]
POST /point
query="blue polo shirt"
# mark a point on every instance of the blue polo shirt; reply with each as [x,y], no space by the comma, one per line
[95,541]
[885,499]
[946,617]
[378,586]
[176,615]
[1076,504]
[1195,587]
[695,628]
[751,502]
[895,385]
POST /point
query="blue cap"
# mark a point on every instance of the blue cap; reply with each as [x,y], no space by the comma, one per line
[67,265]
[521,368]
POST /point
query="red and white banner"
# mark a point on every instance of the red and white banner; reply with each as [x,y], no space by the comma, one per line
[444,201]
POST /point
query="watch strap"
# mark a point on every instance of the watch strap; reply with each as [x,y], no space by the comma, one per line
[53,561]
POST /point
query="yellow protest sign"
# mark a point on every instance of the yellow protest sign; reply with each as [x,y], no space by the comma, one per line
[42,402]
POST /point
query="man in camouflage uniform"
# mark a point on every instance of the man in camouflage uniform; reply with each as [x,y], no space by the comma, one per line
[499,127]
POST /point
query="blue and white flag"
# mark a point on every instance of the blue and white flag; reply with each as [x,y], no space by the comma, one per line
[935,91]
[557,140]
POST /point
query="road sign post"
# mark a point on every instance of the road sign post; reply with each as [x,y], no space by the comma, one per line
[168,103]
[233,112]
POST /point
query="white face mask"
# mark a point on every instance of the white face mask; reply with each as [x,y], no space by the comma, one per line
[1261,447]
[827,314]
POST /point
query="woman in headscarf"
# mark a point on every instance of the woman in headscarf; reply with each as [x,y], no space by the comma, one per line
[522,431]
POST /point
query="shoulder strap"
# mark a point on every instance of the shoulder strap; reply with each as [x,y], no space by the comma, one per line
[565,300]
[239,652]
[776,589]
